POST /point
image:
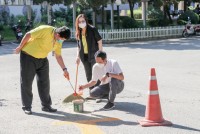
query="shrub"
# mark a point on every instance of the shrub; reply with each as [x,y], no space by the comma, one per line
[153,22]
[158,22]
[44,19]
[137,16]
[59,23]
[181,22]
[128,22]
[157,17]
[20,20]
[193,17]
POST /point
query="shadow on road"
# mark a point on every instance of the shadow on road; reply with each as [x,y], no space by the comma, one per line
[131,108]
[65,118]
[185,128]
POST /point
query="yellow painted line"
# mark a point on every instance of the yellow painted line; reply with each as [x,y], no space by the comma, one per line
[86,121]
[87,126]
[98,120]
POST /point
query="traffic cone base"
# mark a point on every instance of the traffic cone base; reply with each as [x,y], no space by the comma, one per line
[148,123]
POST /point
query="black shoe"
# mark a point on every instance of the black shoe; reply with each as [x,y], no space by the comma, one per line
[49,109]
[109,106]
[27,111]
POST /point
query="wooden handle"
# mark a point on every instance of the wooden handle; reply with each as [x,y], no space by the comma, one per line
[76,77]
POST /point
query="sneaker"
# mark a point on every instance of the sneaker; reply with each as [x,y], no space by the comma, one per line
[109,106]
[89,98]
[27,111]
[49,109]
[98,100]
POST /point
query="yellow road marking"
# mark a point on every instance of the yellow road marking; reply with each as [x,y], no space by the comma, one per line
[87,126]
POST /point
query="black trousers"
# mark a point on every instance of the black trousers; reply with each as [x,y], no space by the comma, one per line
[88,68]
[30,67]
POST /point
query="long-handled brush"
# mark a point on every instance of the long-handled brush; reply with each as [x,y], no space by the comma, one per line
[75,95]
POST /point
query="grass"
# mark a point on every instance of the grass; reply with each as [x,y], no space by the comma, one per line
[138,11]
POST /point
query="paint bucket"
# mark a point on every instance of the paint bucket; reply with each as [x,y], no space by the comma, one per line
[78,105]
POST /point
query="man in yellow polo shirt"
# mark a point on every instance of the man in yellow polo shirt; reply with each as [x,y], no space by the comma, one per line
[34,49]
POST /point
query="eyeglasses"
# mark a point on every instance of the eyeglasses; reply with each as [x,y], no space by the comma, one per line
[81,21]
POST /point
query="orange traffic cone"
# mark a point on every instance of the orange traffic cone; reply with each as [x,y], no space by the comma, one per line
[153,115]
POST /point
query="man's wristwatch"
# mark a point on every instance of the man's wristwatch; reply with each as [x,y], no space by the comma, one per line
[107,74]
[64,69]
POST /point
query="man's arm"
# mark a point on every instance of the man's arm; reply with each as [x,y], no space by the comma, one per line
[116,76]
[89,84]
[62,65]
[23,42]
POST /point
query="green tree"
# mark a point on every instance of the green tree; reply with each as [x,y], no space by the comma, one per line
[48,9]
[95,5]
[131,6]
[52,2]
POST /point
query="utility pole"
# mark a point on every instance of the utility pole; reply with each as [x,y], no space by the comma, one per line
[144,2]
[112,14]
[74,14]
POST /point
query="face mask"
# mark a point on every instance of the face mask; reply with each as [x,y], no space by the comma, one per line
[100,65]
[82,25]
[60,41]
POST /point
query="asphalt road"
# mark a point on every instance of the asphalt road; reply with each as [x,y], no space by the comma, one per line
[177,64]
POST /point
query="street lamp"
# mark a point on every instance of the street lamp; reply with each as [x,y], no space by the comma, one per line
[118,3]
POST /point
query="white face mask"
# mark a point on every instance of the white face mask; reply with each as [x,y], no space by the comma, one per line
[100,65]
[82,25]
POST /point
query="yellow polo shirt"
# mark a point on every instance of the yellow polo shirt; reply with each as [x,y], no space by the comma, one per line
[42,42]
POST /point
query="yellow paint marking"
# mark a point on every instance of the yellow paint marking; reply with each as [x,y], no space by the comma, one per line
[87,126]
[97,120]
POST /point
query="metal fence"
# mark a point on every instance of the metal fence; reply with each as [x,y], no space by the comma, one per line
[139,33]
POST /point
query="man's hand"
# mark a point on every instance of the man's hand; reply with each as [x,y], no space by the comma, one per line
[66,74]
[81,87]
[80,92]
[17,50]
[103,79]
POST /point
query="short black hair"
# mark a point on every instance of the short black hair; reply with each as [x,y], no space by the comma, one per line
[101,54]
[64,32]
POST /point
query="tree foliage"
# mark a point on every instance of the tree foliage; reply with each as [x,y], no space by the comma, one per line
[68,2]
[49,1]
[193,17]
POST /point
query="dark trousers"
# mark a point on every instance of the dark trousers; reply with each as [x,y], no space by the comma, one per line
[30,67]
[88,68]
[110,89]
